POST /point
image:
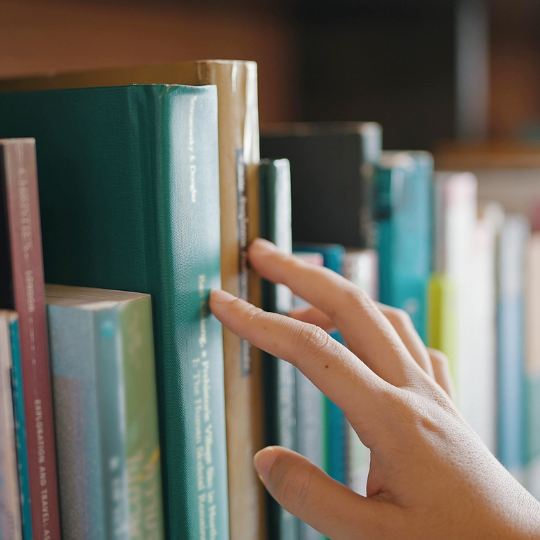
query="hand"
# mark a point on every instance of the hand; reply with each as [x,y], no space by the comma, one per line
[430,475]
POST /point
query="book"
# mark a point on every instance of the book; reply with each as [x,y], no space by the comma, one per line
[21,289]
[532,363]
[238,136]
[335,437]
[331,166]
[511,345]
[360,267]
[279,376]
[482,411]
[403,232]
[20,426]
[105,405]
[10,507]
[130,201]
[310,412]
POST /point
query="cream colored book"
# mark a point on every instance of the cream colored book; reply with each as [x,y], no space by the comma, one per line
[236,83]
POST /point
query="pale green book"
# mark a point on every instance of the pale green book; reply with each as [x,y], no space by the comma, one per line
[105,407]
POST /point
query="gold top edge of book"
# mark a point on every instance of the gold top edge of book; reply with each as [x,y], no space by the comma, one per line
[66,295]
[168,73]
[495,155]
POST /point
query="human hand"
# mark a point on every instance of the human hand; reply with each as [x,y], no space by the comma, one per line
[430,476]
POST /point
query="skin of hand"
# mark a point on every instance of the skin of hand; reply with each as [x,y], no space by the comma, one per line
[430,475]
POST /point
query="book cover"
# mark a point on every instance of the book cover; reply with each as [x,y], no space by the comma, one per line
[532,363]
[10,507]
[279,376]
[403,232]
[511,345]
[102,359]
[21,289]
[20,427]
[130,201]
[331,171]
[238,137]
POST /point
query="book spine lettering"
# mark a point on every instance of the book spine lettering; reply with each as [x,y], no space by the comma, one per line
[28,282]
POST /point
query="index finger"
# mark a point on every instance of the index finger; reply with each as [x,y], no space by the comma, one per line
[367,332]
[337,372]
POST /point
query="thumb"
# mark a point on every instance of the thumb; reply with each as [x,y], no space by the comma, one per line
[307,492]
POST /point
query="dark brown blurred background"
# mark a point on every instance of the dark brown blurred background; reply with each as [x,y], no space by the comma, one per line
[428,70]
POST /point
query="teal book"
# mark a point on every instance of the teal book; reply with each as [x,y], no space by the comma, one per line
[129,193]
[105,410]
[403,232]
[20,428]
[279,376]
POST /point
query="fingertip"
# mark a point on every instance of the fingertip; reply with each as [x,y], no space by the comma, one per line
[263,462]
[218,297]
[260,246]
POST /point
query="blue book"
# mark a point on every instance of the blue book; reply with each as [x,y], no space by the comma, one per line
[511,415]
[20,429]
[403,232]
[105,404]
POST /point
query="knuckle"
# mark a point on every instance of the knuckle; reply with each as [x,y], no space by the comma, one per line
[310,339]
[295,487]
[399,318]
[439,358]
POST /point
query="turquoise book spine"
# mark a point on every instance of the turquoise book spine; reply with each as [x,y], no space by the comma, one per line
[129,193]
[20,431]
[280,383]
[403,232]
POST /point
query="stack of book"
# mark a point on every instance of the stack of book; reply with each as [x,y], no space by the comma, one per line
[126,411]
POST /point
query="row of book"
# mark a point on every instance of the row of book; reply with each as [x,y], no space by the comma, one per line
[150,181]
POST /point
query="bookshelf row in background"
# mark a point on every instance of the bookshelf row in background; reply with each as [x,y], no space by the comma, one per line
[129,201]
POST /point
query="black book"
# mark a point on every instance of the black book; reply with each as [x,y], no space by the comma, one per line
[331,178]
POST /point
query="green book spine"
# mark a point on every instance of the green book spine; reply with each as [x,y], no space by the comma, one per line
[129,191]
[280,386]
[143,450]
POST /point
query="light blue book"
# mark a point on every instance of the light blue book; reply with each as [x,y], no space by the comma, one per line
[105,407]
[403,232]
[511,415]
[20,430]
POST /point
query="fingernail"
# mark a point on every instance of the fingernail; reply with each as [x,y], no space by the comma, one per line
[221,297]
[263,461]
[263,245]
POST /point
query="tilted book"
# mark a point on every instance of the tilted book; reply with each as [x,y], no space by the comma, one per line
[236,83]
[130,201]
[21,289]
[10,507]
[105,406]
[331,174]
[279,376]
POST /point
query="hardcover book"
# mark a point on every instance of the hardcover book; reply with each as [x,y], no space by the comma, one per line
[331,171]
[238,137]
[10,507]
[21,289]
[104,384]
[403,232]
[511,417]
[130,201]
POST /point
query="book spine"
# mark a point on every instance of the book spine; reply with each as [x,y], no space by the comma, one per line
[112,423]
[10,510]
[73,352]
[275,225]
[20,431]
[20,177]
[143,450]
[190,375]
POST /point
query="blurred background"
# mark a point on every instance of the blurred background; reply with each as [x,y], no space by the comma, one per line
[427,70]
